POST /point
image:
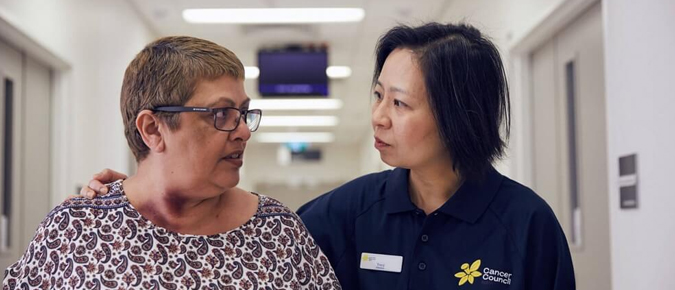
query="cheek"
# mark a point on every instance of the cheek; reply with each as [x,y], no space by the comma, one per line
[206,147]
[419,136]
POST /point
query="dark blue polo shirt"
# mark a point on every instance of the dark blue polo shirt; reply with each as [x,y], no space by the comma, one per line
[493,234]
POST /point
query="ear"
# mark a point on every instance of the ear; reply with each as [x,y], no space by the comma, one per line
[149,127]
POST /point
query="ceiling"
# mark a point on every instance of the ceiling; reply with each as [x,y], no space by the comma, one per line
[350,44]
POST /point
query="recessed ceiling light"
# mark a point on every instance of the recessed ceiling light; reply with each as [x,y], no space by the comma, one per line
[298,121]
[273,15]
[295,104]
[338,72]
[251,72]
[314,137]
[333,72]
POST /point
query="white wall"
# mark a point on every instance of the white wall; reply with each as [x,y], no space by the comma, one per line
[505,22]
[97,39]
[639,89]
[639,64]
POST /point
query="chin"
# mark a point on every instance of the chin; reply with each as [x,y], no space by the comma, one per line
[389,161]
[227,180]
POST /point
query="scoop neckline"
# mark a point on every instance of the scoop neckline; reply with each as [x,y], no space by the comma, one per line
[163,230]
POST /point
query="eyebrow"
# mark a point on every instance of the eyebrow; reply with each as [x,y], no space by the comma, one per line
[394,89]
[229,102]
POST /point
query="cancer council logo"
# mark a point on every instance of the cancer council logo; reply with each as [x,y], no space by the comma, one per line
[470,272]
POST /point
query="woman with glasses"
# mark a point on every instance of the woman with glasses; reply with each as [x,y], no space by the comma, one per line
[444,218]
[180,222]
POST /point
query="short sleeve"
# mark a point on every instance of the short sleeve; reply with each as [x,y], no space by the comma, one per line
[33,269]
[328,221]
[321,270]
[548,255]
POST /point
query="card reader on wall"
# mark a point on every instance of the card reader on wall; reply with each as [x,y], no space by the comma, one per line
[628,181]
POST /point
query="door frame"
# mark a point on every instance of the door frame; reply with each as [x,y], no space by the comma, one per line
[520,65]
[12,33]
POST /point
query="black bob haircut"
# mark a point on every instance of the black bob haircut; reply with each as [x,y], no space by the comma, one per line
[467,90]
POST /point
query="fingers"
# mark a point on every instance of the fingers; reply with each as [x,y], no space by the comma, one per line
[108,176]
[92,190]
[98,187]
[87,192]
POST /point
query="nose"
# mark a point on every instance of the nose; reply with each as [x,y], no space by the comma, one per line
[380,115]
[241,132]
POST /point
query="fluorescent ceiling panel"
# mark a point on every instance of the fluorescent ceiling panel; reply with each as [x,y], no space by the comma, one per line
[298,121]
[273,15]
[314,137]
[295,104]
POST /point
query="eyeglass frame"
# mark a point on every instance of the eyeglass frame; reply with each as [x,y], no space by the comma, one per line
[182,109]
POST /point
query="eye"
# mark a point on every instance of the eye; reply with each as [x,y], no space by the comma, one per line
[377,96]
[221,114]
[398,103]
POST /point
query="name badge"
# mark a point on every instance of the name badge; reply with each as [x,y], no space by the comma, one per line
[380,262]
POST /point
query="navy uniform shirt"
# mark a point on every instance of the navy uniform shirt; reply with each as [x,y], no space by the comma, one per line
[493,234]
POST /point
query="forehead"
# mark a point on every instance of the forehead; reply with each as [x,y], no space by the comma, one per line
[401,70]
[223,88]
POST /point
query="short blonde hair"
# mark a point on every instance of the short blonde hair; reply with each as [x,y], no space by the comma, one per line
[165,73]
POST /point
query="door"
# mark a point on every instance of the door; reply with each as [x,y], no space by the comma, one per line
[25,106]
[11,85]
[569,142]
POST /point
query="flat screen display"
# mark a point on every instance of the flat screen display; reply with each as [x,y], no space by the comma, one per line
[293,73]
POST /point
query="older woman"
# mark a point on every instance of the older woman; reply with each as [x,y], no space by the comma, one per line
[180,222]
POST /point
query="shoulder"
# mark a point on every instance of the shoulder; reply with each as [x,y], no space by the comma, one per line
[537,235]
[293,236]
[59,233]
[269,206]
[105,202]
[352,197]
[280,216]
[513,197]
[366,183]
[524,213]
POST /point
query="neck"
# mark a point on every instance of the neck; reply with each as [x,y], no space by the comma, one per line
[431,186]
[168,205]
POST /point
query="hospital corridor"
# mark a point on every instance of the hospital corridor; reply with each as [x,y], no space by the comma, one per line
[361,144]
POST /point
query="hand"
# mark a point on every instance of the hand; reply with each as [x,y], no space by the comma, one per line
[97,185]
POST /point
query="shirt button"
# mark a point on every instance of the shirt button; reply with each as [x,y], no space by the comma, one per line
[422,266]
[425,238]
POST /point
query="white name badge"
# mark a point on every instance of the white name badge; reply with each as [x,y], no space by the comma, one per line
[380,262]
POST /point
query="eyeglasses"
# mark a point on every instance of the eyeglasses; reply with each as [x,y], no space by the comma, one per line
[224,119]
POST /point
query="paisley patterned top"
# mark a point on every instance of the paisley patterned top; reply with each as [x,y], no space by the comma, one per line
[105,243]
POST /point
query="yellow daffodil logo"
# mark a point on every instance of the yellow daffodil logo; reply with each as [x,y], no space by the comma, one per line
[469,272]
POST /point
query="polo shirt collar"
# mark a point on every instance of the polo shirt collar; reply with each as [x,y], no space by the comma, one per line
[467,204]
[473,197]
[396,194]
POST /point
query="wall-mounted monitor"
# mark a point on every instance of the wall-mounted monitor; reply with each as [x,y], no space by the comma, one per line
[293,71]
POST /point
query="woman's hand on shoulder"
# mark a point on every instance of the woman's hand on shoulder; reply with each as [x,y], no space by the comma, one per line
[97,185]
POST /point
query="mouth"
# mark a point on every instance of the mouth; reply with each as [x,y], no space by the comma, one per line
[236,155]
[379,144]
